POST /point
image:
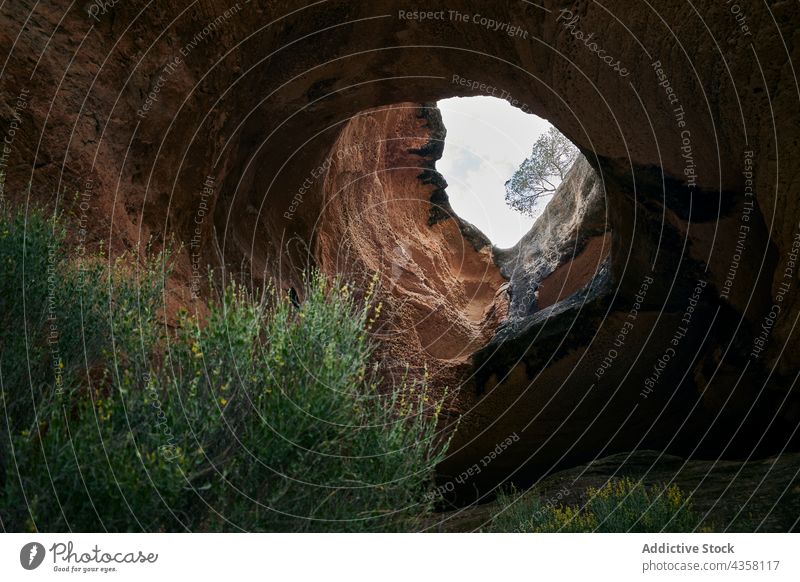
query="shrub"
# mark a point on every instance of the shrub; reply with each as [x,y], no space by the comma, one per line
[264,416]
[619,506]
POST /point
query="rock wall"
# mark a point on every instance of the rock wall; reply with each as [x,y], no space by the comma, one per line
[385,219]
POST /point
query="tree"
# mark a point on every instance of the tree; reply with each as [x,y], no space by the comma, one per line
[540,174]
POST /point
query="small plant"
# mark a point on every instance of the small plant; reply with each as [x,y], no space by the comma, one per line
[618,506]
[264,416]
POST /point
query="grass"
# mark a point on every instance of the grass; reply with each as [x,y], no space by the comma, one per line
[265,416]
[618,506]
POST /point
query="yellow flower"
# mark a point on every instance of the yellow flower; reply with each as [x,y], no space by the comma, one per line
[223,401]
[674,495]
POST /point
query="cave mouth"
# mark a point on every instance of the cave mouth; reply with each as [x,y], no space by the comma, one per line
[404,200]
[487,140]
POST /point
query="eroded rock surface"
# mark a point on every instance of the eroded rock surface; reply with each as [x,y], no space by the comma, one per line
[385,217]
[565,249]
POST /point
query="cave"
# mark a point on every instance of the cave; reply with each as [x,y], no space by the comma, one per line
[289,135]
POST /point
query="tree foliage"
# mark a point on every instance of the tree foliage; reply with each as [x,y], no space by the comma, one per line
[540,174]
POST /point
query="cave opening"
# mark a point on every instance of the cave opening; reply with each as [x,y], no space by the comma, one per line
[415,194]
[487,142]
[449,293]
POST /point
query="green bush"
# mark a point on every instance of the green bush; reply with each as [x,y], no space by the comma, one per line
[619,506]
[264,416]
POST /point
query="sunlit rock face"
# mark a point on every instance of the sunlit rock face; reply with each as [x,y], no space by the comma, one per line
[208,123]
[385,220]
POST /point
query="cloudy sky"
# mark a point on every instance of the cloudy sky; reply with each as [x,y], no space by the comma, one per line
[487,139]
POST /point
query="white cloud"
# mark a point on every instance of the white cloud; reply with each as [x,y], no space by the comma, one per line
[487,139]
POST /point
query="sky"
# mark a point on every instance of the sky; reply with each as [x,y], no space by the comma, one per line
[487,139]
